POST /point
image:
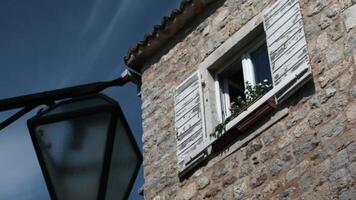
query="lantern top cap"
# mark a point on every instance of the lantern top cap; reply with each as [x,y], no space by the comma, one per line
[77,107]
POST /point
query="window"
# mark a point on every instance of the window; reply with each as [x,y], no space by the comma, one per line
[270,46]
[251,65]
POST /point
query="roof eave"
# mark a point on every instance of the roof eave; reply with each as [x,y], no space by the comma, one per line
[137,56]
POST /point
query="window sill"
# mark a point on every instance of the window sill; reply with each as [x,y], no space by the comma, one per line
[254,112]
[259,113]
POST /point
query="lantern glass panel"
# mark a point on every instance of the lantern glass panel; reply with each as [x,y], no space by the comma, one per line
[73,151]
[124,163]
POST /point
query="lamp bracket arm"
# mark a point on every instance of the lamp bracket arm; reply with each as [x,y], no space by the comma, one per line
[16,116]
[31,101]
[59,94]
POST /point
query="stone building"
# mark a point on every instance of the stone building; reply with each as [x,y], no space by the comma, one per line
[292,139]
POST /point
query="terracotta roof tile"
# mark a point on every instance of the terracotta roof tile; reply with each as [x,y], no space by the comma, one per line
[170,25]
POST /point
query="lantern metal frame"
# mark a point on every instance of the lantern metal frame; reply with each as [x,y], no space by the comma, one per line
[116,113]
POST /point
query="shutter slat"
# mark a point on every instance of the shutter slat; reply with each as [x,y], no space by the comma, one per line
[194,113]
[286,21]
[185,89]
[296,61]
[287,47]
[282,45]
[198,141]
[189,120]
[183,108]
[186,127]
[197,126]
[189,143]
[289,56]
[283,35]
[191,90]
[278,7]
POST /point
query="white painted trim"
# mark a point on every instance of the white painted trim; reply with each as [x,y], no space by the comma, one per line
[202,110]
[248,69]
[227,101]
[218,98]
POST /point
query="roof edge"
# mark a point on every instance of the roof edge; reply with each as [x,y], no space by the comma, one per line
[152,42]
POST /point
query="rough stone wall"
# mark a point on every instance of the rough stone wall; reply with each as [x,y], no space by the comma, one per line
[310,154]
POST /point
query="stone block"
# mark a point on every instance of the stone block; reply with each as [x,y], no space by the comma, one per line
[349,194]
[332,128]
[287,194]
[229,180]
[315,118]
[296,116]
[336,53]
[285,140]
[258,179]
[276,166]
[352,169]
[316,7]
[312,29]
[307,182]
[219,170]
[322,42]
[324,21]
[202,182]
[245,169]
[239,191]
[189,191]
[297,170]
[339,160]
[339,180]
[300,129]
[219,19]
[351,113]
[351,150]
[305,145]
[211,192]
[350,17]
[273,134]
[350,44]
[353,91]
[252,148]
[333,10]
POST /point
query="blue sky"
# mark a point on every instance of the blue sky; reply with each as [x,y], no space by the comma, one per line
[48,44]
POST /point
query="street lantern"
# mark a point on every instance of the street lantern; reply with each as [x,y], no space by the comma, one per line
[85,149]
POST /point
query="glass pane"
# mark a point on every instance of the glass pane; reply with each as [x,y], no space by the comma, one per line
[73,106]
[231,82]
[123,163]
[261,64]
[73,152]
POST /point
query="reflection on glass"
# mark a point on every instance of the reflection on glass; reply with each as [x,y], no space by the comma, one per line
[261,64]
[73,151]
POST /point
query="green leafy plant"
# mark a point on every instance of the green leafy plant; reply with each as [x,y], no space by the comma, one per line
[252,93]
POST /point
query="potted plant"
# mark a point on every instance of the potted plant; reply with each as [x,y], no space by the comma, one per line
[252,94]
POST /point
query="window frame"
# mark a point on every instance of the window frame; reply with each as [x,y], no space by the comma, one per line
[223,104]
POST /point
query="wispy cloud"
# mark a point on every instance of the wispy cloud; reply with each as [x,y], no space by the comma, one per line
[86,65]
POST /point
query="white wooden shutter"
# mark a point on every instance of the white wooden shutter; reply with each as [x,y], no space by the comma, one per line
[287,47]
[189,122]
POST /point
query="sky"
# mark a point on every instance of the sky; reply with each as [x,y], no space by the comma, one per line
[51,44]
